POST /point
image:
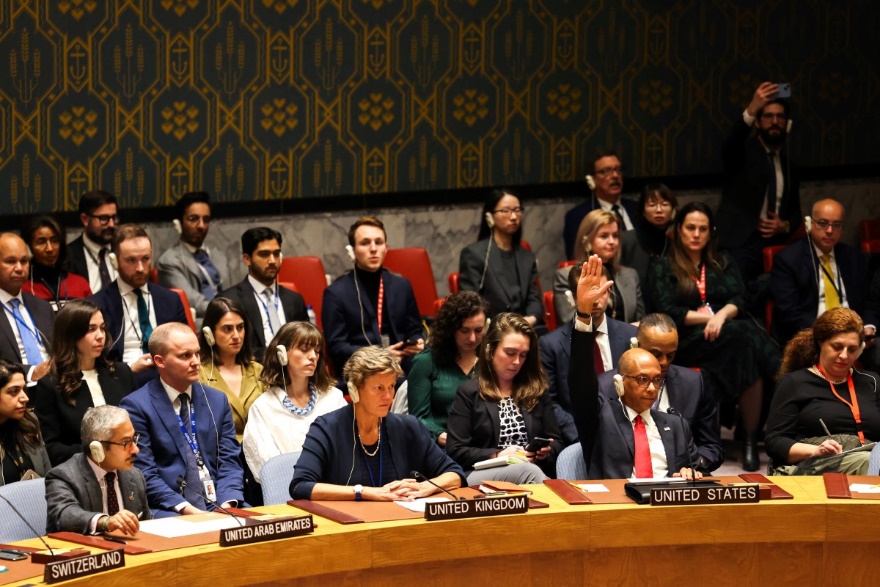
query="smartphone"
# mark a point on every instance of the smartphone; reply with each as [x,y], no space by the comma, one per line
[411,342]
[537,444]
[784,90]
[9,554]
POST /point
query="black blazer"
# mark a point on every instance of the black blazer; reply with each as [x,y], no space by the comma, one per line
[474,425]
[495,285]
[44,319]
[60,422]
[76,257]
[293,304]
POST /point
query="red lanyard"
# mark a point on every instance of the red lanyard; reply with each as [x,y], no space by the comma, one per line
[701,284]
[853,403]
[380,303]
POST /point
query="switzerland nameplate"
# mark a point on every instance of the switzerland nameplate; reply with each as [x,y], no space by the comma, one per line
[269,530]
[84,565]
[477,508]
[684,495]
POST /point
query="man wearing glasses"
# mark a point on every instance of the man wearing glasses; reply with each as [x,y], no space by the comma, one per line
[99,490]
[760,198]
[88,252]
[819,273]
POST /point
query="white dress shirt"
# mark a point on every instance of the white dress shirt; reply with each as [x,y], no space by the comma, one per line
[604,344]
[659,464]
[132,337]
[91,379]
[100,474]
[5,299]
[259,288]
[608,207]
[93,250]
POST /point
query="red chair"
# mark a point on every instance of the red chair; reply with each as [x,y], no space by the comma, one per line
[187,309]
[154,275]
[414,264]
[871,246]
[288,285]
[311,279]
[564,264]
[453,282]
[525,245]
[438,303]
[549,311]
[869,229]
[769,253]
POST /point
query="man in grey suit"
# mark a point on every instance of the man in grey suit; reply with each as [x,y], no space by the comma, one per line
[190,266]
[99,490]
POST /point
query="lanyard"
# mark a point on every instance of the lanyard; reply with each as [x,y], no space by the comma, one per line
[370,471]
[853,403]
[380,303]
[193,440]
[838,288]
[21,321]
[701,284]
[266,307]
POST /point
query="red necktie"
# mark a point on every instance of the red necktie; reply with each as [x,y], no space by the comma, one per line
[644,470]
[597,356]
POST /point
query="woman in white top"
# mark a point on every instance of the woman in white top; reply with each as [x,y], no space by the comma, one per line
[299,389]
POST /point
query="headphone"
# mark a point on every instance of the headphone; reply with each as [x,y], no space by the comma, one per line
[209,336]
[114,262]
[97,451]
[176,224]
[350,252]
[569,297]
[633,343]
[618,384]
[490,221]
[353,392]
[281,355]
[808,223]
[591,183]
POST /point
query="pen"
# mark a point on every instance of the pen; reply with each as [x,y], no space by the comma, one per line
[824,427]
[114,539]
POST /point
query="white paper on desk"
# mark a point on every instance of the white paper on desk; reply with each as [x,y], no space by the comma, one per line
[418,504]
[864,488]
[593,487]
[670,480]
[177,527]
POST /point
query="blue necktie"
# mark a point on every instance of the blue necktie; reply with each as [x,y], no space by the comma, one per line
[209,290]
[144,320]
[192,466]
[31,345]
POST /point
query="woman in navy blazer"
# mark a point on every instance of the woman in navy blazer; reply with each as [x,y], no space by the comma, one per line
[81,377]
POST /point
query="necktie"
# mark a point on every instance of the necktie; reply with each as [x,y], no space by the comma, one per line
[194,495]
[597,356]
[643,467]
[31,345]
[832,300]
[103,271]
[616,209]
[144,320]
[209,289]
[112,498]
[771,184]
[271,312]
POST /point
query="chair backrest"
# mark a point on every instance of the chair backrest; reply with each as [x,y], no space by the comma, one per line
[525,245]
[400,405]
[438,303]
[869,229]
[453,282]
[874,461]
[29,498]
[154,275]
[414,264]
[566,263]
[310,278]
[187,309]
[871,246]
[570,463]
[549,311]
[275,478]
[288,285]
[769,253]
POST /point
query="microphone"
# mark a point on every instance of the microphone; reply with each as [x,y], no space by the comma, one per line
[184,486]
[671,410]
[419,477]
[31,528]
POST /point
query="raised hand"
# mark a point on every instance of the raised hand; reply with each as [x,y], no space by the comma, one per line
[592,284]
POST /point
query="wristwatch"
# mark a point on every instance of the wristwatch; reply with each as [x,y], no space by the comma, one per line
[358,492]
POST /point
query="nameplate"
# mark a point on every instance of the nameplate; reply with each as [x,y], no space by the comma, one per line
[477,508]
[683,495]
[264,531]
[83,566]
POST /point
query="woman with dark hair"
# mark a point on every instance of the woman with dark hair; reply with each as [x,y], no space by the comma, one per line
[298,390]
[450,360]
[48,278]
[22,454]
[701,290]
[227,361]
[80,377]
[497,266]
[819,387]
[505,409]
[650,235]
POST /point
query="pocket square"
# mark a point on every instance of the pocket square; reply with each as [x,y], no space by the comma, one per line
[667,428]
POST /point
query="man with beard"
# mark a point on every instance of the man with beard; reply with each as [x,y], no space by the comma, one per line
[267,305]
[606,182]
[760,198]
[89,252]
[190,266]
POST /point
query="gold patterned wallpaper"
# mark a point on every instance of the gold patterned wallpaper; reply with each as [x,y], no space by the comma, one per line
[271,99]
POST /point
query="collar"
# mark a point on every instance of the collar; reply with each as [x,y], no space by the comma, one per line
[631,413]
[96,468]
[259,287]
[606,206]
[820,254]
[173,393]
[125,288]
[93,246]
[6,297]
[190,248]
[603,328]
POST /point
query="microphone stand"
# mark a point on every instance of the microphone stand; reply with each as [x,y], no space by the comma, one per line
[184,486]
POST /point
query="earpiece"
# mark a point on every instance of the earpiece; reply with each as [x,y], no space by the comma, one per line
[808,223]
[672,216]
[618,384]
[788,125]
[588,248]
[281,354]
[861,349]
[97,451]
[280,257]
[590,181]
[114,262]
[489,220]
[353,392]
[633,343]
[569,297]
[176,224]
[350,252]
[209,336]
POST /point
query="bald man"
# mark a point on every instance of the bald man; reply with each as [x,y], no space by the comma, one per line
[623,437]
[26,326]
[818,273]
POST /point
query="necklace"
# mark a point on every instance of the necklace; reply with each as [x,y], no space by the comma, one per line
[296,410]
[378,443]
[819,373]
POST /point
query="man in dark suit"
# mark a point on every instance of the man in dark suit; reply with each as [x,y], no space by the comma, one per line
[26,325]
[186,431]
[613,338]
[760,198]
[132,305]
[818,273]
[99,490]
[682,394]
[606,183]
[190,266]
[370,305]
[268,306]
[625,437]
[88,253]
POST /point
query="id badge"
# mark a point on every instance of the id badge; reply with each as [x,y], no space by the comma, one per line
[208,483]
[706,309]
[386,341]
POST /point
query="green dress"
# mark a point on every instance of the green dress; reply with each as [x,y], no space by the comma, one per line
[430,391]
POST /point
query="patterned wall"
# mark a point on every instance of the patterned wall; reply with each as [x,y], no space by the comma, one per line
[270,99]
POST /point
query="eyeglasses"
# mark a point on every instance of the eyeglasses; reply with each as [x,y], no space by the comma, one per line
[644,381]
[124,444]
[105,219]
[609,170]
[509,211]
[825,225]
[193,218]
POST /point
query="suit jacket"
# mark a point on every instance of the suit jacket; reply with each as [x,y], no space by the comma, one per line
[341,316]
[60,422]
[495,285]
[293,304]
[43,318]
[178,269]
[166,304]
[240,403]
[474,426]
[687,398]
[795,288]
[627,281]
[605,432]
[76,257]
[163,449]
[747,173]
[575,216]
[73,495]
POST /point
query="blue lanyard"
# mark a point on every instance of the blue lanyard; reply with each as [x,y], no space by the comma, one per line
[370,471]
[193,440]
[266,307]
[21,321]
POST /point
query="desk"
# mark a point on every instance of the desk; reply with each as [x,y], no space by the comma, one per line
[808,540]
